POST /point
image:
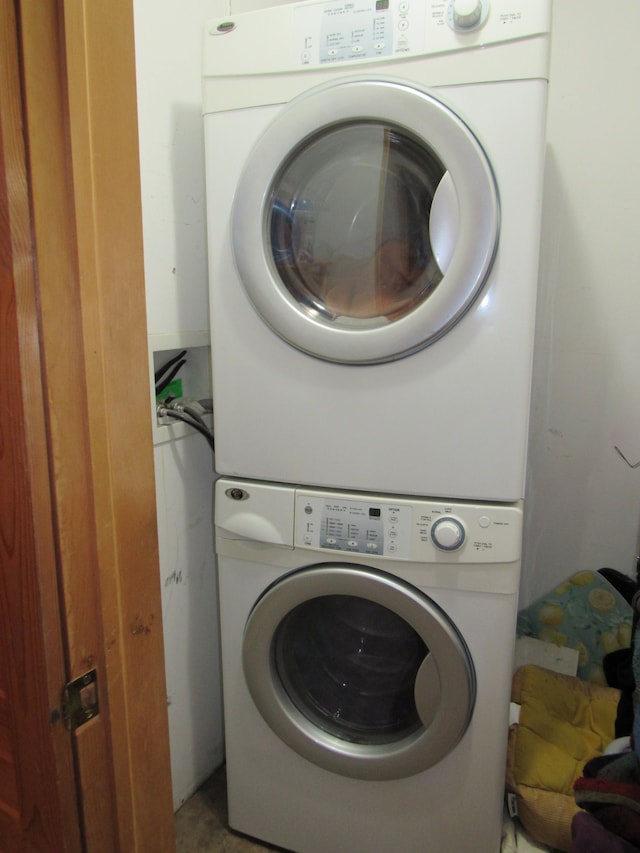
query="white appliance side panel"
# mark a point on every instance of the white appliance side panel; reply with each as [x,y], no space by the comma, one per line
[450,420]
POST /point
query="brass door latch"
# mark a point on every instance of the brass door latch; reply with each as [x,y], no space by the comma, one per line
[80,700]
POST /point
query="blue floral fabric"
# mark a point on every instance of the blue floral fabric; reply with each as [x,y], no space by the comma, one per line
[585,613]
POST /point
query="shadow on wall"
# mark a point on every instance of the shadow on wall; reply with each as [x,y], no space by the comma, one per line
[570,376]
[189,272]
[185,473]
[584,500]
[190,613]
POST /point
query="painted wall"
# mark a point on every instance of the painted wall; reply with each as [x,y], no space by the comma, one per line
[583,502]
[168,54]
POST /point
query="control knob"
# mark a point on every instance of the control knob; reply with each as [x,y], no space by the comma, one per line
[447,533]
[465,15]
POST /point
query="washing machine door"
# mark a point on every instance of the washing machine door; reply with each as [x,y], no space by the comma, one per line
[365,222]
[358,672]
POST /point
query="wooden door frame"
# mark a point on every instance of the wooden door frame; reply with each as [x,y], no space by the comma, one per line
[87,444]
[43,806]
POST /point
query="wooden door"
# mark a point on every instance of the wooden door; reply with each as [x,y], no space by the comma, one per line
[79,579]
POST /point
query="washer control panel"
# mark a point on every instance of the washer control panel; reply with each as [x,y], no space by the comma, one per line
[405,528]
[361,527]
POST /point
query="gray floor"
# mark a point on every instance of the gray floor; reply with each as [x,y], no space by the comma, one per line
[201,823]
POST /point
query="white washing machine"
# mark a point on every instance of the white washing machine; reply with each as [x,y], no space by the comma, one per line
[374,189]
[367,653]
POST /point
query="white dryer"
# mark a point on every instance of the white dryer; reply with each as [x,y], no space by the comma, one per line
[374,174]
[367,652]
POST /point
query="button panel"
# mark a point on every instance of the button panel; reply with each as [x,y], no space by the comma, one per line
[338,31]
[372,527]
[406,529]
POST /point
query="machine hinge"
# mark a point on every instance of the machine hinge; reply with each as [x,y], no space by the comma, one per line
[80,700]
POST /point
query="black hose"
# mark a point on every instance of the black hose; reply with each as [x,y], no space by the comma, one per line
[194,414]
[163,369]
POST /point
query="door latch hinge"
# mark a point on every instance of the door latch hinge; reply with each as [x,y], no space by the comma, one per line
[80,700]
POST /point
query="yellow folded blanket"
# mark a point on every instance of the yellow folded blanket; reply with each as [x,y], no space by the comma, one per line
[563,723]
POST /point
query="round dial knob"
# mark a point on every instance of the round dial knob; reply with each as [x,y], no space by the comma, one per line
[447,533]
[466,14]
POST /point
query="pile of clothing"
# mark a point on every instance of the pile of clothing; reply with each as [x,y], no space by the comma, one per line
[563,722]
[574,756]
[608,792]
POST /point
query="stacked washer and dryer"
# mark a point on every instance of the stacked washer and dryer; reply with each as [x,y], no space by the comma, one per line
[374,177]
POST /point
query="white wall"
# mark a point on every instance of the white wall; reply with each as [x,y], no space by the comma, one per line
[168,56]
[583,501]
[168,60]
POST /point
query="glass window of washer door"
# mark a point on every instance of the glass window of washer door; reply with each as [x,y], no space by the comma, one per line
[349,223]
[349,665]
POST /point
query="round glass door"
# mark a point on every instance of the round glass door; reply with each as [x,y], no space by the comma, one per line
[349,224]
[349,666]
[358,672]
[365,222]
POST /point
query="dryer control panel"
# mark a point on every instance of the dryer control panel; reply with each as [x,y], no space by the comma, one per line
[359,29]
[311,36]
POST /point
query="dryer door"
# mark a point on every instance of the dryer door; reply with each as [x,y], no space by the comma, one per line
[358,672]
[365,222]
